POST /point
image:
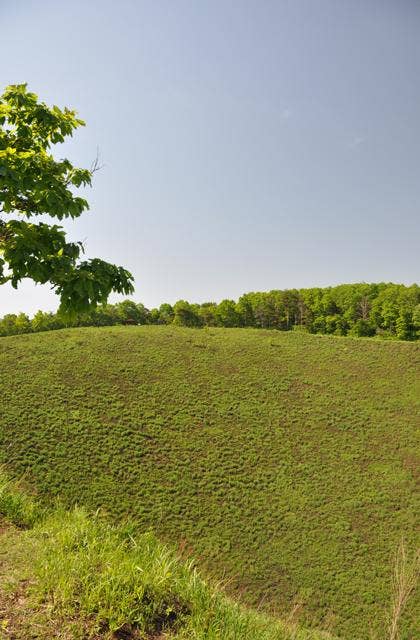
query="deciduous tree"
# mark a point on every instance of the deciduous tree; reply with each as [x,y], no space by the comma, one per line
[33,183]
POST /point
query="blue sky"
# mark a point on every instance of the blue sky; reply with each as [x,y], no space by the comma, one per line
[246,145]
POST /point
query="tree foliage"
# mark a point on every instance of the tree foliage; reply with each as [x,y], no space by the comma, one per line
[384,310]
[34,183]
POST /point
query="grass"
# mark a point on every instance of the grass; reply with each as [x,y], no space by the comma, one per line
[18,506]
[405,579]
[109,584]
[285,463]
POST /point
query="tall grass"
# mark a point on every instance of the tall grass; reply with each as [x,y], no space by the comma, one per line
[17,506]
[405,578]
[122,582]
[86,567]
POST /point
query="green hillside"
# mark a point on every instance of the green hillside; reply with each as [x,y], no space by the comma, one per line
[74,576]
[284,462]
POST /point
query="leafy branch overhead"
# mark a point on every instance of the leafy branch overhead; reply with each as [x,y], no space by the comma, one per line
[33,183]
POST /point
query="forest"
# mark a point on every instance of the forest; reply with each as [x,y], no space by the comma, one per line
[385,310]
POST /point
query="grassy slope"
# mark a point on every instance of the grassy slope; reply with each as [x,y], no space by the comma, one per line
[285,462]
[76,577]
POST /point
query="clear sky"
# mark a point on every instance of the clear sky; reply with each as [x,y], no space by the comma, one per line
[247,145]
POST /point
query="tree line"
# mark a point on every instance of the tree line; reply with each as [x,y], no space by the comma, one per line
[385,310]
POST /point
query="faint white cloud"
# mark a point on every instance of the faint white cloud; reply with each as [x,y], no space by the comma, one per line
[286,114]
[356,141]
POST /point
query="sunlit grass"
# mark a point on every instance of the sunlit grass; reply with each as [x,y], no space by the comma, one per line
[284,463]
[106,579]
